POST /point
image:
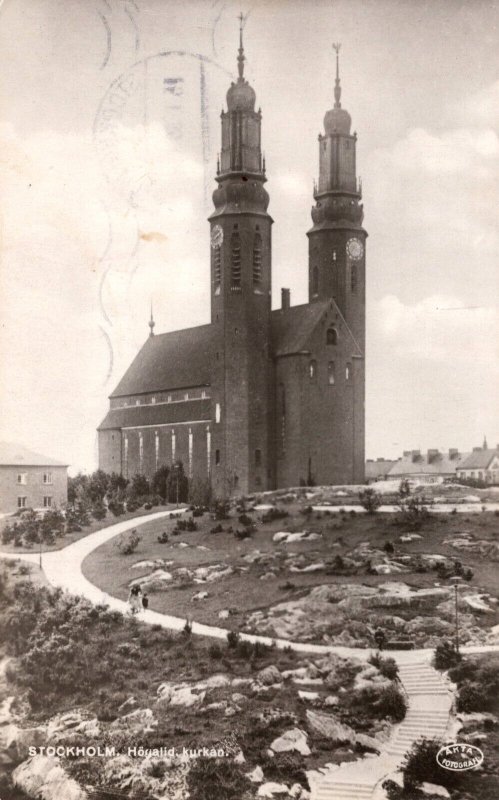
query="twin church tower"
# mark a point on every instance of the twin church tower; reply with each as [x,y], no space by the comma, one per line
[258,399]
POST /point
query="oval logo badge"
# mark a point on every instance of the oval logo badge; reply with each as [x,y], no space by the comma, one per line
[459,756]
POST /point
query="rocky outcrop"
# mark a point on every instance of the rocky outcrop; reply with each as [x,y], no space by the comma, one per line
[328,727]
[293,740]
[44,777]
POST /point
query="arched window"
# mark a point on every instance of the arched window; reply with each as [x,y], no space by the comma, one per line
[312,370]
[257,260]
[315,280]
[330,373]
[332,336]
[236,262]
[348,372]
[217,268]
[353,279]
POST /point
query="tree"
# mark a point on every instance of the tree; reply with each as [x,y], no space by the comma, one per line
[200,492]
[370,500]
[138,487]
[160,480]
[98,485]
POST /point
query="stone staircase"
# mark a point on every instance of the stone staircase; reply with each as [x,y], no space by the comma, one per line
[429,705]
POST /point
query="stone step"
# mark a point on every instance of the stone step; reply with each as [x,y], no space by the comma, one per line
[339,791]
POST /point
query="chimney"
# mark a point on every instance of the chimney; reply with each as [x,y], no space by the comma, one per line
[285,299]
[477,449]
[453,453]
[380,459]
[416,455]
[432,456]
[407,453]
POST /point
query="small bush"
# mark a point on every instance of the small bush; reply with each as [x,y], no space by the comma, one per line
[245,520]
[163,537]
[470,698]
[445,656]
[392,703]
[387,666]
[244,533]
[421,766]
[274,514]
[128,542]
[233,639]
[210,778]
[370,500]
[220,509]
[388,548]
[216,529]
[187,629]
[215,651]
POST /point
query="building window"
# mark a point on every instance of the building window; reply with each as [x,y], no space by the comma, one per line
[203,395]
[217,268]
[47,502]
[334,255]
[186,396]
[217,458]
[174,446]
[312,370]
[153,399]
[169,398]
[141,453]
[47,477]
[330,373]
[156,449]
[137,402]
[332,336]
[217,412]
[22,478]
[21,502]
[315,280]
[348,372]
[208,450]
[353,278]
[258,458]
[257,260]
[236,261]
[191,443]
[125,456]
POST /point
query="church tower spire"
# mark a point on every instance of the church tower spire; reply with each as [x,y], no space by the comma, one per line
[151,323]
[337,85]
[240,297]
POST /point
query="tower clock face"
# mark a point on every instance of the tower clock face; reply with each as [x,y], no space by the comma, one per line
[217,236]
[355,249]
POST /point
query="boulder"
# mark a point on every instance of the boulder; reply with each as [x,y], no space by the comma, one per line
[270,789]
[269,675]
[44,777]
[179,695]
[292,740]
[256,775]
[308,697]
[130,704]
[141,718]
[328,727]
[432,788]
[199,596]
[15,742]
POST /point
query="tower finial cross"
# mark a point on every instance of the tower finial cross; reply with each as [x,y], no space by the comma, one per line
[240,58]
[337,87]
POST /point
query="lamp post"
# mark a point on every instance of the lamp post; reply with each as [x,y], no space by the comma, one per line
[456,580]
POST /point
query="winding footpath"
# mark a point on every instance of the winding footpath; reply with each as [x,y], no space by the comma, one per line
[430,697]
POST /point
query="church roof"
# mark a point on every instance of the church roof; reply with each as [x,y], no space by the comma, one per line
[292,327]
[158,414]
[172,360]
[12,454]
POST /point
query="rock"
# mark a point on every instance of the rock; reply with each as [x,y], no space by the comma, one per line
[239,758]
[331,700]
[224,614]
[308,696]
[292,740]
[320,565]
[270,789]
[267,576]
[475,720]
[199,596]
[269,675]
[130,704]
[367,741]
[44,777]
[432,788]
[256,775]
[179,695]
[329,727]
[142,718]
[230,711]
[239,698]
[15,742]
[6,710]
[288,538]
[214,681]
[477,603]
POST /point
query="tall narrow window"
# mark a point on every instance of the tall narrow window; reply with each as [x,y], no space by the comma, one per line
[353,278]
[125,455]
[332,336]
[21,502]
[174,446]
[217,412]
[22,478]
[315,280]
[348,372]
[330,373]
[257,260]
[156,449]
[236,262]
[190,452]
[217,268]
[258,458]
[208,450]
[312,370]
[141,453]
[217,458]
[283,419]
[47,502]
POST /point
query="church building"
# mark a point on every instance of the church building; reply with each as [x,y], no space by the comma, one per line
[259,398]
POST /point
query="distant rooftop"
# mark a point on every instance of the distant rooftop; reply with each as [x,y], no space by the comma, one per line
[12,454]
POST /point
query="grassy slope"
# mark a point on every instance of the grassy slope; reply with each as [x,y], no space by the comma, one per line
[246,592]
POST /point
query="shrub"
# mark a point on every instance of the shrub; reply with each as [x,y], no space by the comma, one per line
[159,481]
[392,703]
[245,520]
[128,542]
[187,629]
[420,765]
[200,492]
[216,529]
[470,698]
[370,500]
[220,509]
[274,514]
[98,510]
[244,533]
[163,537]
[233,639]
[215,651]
[387,666]
[413,512]
[445,656]
[388,548]
[212,777]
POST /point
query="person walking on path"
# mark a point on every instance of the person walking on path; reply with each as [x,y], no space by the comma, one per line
[135,599]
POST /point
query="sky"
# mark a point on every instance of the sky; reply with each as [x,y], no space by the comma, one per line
[109,129]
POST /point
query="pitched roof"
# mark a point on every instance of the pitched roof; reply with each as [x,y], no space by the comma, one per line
[12,454]
[170,361]
[378,468]
[292,327]
[160,414]
[441,464]
[479,459]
